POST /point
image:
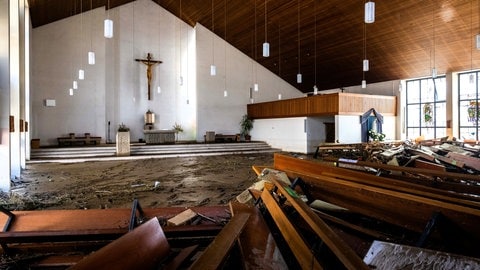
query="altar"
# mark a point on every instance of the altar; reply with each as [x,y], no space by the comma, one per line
[162,136]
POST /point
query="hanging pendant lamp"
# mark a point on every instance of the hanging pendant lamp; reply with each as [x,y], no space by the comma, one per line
[108,24]
[71,92]
[365,65]
[364,84]
[266,45]
[369,12]
[108,28]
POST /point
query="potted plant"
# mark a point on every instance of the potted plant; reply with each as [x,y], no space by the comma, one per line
[123,140]
[178,129]
[246,124]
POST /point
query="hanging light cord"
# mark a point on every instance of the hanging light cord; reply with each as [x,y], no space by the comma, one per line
[315,41]
[265,21]
[298,33]
[213,36]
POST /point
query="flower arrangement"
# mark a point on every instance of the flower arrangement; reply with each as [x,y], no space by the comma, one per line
[177,127]
[123,128]
[376,136]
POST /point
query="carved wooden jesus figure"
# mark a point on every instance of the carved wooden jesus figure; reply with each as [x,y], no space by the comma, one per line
[149,63]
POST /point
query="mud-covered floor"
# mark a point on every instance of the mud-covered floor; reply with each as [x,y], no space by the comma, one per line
[156,182]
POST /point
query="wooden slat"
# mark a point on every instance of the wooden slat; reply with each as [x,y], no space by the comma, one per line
[343,252]
[142,248]
[256,241]
[215,254]
[298,247]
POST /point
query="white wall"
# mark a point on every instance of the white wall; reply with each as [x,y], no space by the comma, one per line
[236,73]
[115,88]
[316,131]
[348,128]
[287,134]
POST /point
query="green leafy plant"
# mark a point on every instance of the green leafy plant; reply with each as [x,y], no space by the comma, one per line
[246,124]
[178,129]
[123,128]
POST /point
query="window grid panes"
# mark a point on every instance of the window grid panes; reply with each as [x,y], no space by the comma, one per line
[426,108]
[468,105]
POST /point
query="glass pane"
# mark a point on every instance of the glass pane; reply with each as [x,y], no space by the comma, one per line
[441,114]
[468,134]
[467,87]
[413,133]
[428,133]
[427,90]
[413,114]
[413,92]
[441,88]
[440,132]
[468,113]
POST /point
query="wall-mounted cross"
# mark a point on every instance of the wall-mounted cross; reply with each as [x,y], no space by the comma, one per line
[149,63]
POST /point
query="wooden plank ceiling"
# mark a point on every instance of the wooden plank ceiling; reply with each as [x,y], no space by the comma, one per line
[326,40]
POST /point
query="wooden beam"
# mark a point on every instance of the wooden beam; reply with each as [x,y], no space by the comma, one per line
[215,254]
[298,247]
[344,252]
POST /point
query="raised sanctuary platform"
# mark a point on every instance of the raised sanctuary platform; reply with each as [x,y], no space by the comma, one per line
[159,136]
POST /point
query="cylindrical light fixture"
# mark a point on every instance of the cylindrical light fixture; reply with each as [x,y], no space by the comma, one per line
[279,96]
[364,84]
[91,58]
[159,90]
[266,49]
[365,65]
[81,74]
[213,70]
[108,28]
[255,87]
[315,90]
[75,85]
[434,73]
[369,12]
[299,78]
[71,92]
[225,93]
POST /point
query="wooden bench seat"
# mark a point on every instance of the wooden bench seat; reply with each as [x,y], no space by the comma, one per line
[73,140]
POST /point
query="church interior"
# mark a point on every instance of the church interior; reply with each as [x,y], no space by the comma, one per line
[367,112]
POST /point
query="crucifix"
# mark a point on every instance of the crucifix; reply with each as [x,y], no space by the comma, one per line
[149,63]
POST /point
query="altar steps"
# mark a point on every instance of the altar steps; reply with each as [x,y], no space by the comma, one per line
[139,151]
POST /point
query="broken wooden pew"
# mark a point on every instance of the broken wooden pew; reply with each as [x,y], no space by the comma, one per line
[406,210]
[142,248]
[301,250]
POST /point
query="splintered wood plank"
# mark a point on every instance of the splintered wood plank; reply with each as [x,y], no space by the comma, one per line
[142,248]
[256,241]
[215,254]
[343,251]
[298,247]
[182,218]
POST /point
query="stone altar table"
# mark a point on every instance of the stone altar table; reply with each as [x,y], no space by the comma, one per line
[159,136]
